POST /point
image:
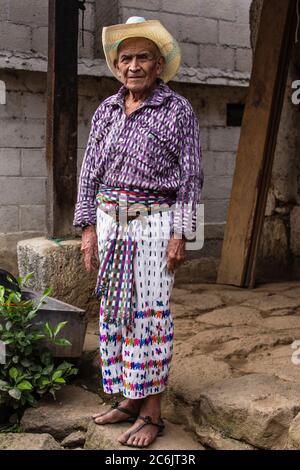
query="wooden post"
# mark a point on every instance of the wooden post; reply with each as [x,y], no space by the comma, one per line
[259,130]
[61,128]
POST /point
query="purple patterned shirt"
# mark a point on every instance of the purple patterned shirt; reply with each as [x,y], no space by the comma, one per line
[156,147]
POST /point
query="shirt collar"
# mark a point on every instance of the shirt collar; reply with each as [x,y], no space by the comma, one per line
[156,98]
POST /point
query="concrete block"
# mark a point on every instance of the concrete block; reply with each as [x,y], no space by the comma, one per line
[234,34]
[59,266]
[12,109]
[32,218]
[12,137]
[136,4]
[88,50]
[40,40]
[33,12]
[215,56]
[89,17]
[174,23]
[190,7]
[9,219]
[213,111]
[87,107]
[215,211]
[224,139]
[83,133]
[33,133]
[189,54]
[23,81]
[217,187]
[10,162]
[33,162]
[243,61]
[22,190]
[198,30]
[219,163]
[242,8]
[34,105]
[4,7]
[219,9]
[204,137]
[15,37]
[35,82]
[80,156]
[106,13]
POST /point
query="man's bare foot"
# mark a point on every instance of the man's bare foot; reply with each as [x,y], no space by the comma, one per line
[146,435]
[115,415]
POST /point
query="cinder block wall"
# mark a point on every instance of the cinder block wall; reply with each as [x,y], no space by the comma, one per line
[24,27]
[22,144]
[212,33]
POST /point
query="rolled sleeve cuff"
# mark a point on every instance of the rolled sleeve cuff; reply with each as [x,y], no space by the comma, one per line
[183,221]
[85,214]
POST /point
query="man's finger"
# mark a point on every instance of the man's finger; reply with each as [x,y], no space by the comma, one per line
[88,262]
[170,265]
[96,253]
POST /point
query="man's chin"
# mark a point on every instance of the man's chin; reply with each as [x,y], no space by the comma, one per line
[135,85]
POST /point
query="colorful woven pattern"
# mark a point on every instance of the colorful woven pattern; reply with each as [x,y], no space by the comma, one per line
[115,278]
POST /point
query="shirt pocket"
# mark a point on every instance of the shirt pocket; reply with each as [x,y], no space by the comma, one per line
[156,139]
[153,144]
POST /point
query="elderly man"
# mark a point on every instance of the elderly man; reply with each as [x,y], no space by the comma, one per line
[144,150]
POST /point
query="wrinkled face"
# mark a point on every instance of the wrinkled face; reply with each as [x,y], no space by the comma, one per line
[139,63]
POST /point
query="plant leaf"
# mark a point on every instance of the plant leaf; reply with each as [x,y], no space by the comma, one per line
[59,327]
[4,386]
[62,342]
[13,373]
[15,393]
[57,374]
[60,380]
[48,330]
[25,385]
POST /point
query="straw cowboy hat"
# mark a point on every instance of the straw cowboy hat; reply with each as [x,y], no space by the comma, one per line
[137,26]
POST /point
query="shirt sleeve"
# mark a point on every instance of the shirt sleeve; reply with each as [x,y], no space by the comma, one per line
[191,175]
[85,208]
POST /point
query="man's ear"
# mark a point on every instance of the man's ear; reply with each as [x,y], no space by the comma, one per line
[160,64]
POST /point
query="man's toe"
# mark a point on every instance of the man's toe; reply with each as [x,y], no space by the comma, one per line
[123,438]
[98,420]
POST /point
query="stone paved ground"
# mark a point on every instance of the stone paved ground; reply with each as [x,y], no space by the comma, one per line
[233,383]
[233,380]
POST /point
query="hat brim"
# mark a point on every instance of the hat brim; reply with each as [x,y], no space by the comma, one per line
[112,36]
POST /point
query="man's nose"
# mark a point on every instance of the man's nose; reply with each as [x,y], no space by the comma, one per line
[134,64]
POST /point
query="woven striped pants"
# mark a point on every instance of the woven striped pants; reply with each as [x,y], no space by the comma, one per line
[135,360]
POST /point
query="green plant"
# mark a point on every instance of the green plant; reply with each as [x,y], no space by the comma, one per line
[30,371]
[15,428]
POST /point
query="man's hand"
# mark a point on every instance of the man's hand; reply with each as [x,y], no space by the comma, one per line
[176,254]
[89,248]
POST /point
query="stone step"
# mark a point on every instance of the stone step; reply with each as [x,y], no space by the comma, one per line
[175,437]
[28,441]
